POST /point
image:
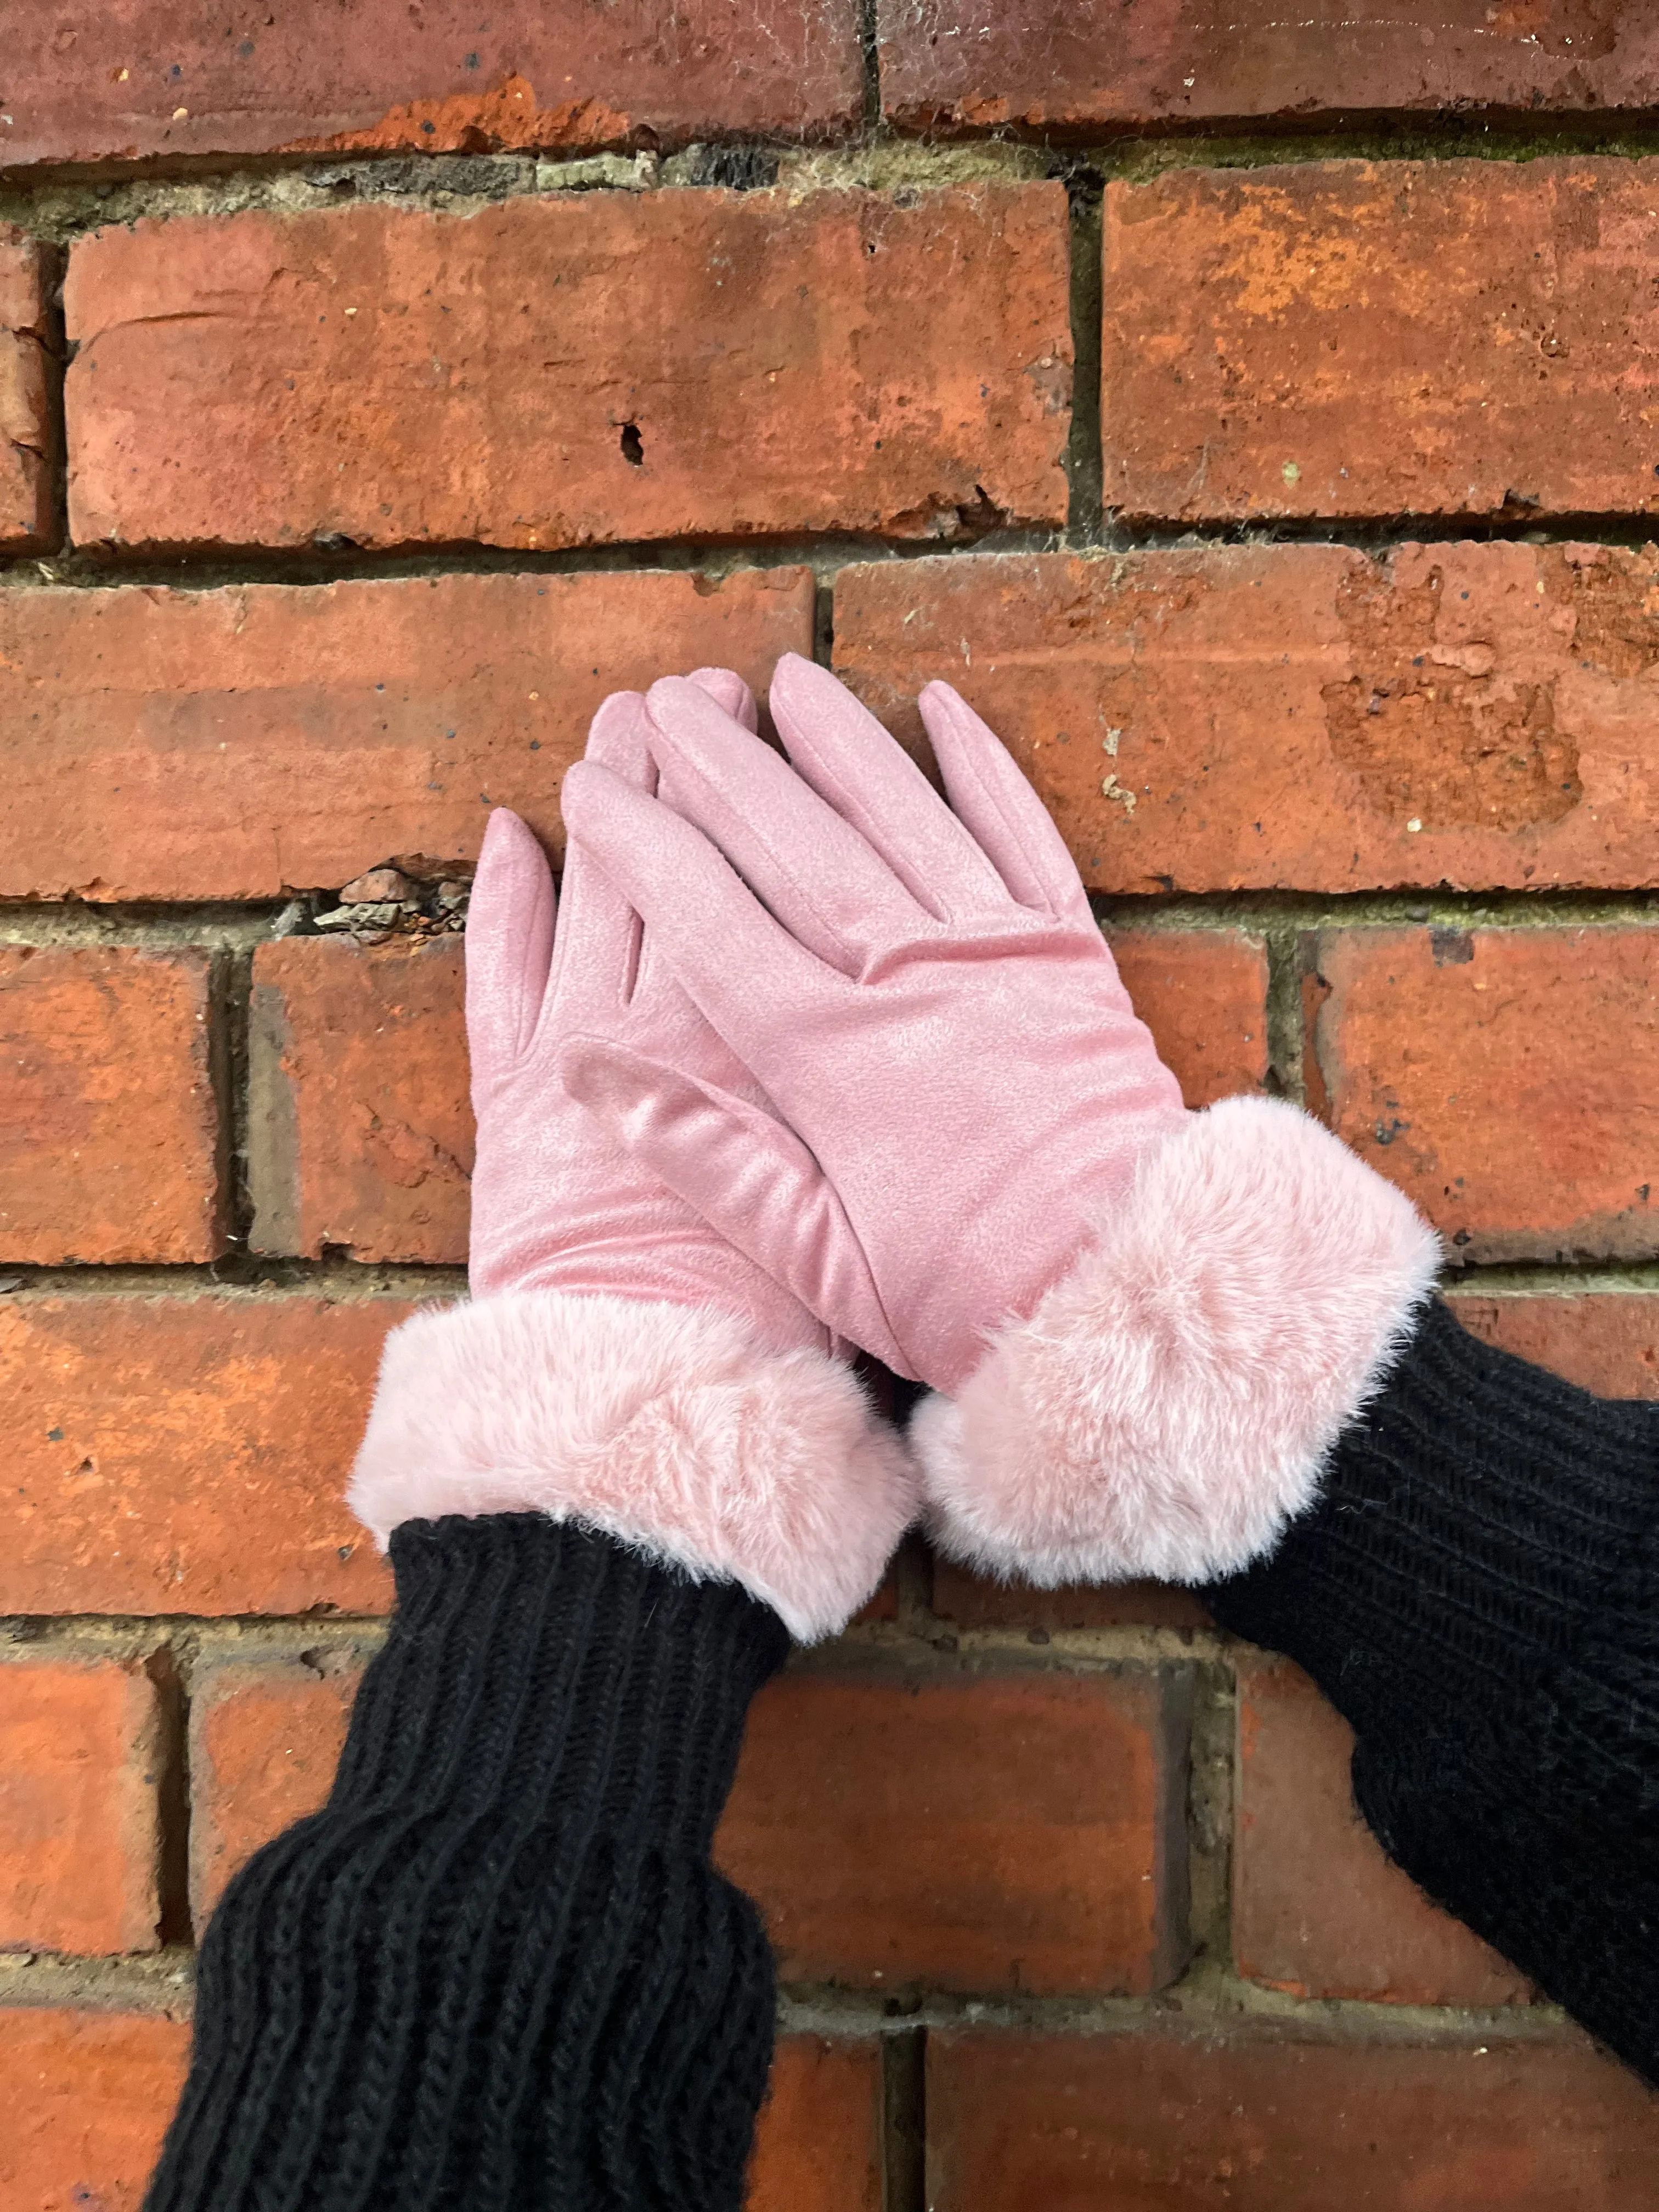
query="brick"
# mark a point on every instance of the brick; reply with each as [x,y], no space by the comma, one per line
[187,1455]
[241,743]
[818,2147]
[1203,993]
[109,1135]
[1505,1079]
[80,1754]
[265,1737]
[1318,1910]
[88,2096]
[1258,2120]
[1606,1342]
[962,1598]
[440,78]
[26,521]
[361,1132]
[1007,1831]
[1299,717]
[977,65]
[560,372]
[1350,338]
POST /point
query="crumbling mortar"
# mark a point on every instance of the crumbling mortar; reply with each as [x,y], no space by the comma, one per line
[54,447]
[825,552]
[231,981]
[1286,1023]
[1206,2002]
[1084,451]
[1294,913]
[62,201]
[334,1279]
[61,206]
[158,1982]
[1490,135]
[904,2120]
[1378,535]
[337,1280]
[893,1652]
[191,1640]
[213,926]
[135,1639]
[1103,536]
[1212,1741]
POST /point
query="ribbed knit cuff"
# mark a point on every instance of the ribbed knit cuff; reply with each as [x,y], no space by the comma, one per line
[1476,1589]
[1466,1527]
[498,1969]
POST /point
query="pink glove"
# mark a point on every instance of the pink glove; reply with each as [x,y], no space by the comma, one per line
[622,1363]
[1153,1324]
[558,1204]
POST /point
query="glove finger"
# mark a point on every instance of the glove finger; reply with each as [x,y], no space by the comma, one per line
[620,739]
[750,978]
[1011,825]
[730,693]
[509,945]
[596,955]
[812,869]
[597,952]
[748,1176]
[871,782]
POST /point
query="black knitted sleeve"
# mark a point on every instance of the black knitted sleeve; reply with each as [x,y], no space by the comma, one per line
[1477,1591]
[498,1972]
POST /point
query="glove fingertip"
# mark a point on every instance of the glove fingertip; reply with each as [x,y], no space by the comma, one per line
[509,942]
[731,693]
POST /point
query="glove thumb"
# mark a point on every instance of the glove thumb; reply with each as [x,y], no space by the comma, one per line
[749,1176]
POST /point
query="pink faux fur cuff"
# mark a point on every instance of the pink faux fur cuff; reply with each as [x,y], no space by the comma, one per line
[1170,1405]
[672,1428]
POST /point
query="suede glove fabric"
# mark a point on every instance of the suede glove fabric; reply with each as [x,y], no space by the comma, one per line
[1146,1326]
[622,1363]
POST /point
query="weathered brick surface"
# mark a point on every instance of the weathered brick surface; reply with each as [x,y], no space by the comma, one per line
[88,2096]
[574,370]
[1259,2122]
[359,1128]
[264,1738]
[1381,338]
[109,1133]
[1604,1341]
[1203,993]
[235,743]
[26,440]
[440,78]
[1014,1831]
[962,1598]
[1304,717]
[979,64]
[1317,1908]
[984,1791]
[80,1744]
[818,2147]
[187,1455]
[1508,1080]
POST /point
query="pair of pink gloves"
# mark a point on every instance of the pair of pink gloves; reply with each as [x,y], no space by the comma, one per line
[813,1061]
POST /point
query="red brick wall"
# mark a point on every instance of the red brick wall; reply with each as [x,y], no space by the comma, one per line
[1256,423]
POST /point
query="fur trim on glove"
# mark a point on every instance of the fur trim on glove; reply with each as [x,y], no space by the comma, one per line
[672,1428]
[1170,1403]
